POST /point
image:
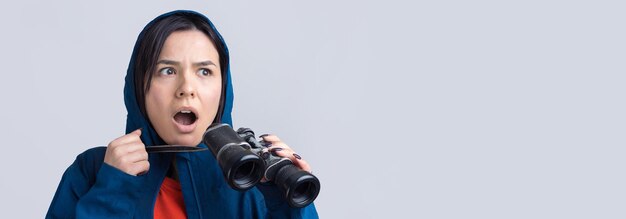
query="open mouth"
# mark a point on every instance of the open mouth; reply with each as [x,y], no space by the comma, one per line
[185,117]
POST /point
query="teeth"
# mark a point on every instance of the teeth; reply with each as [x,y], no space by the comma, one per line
[185,111]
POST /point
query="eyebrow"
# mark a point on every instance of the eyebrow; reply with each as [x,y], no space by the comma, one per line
[197,64]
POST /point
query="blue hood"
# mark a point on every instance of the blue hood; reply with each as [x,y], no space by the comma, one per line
[135,119]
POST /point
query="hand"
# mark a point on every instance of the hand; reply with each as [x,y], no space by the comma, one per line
[128,154]
[281,149]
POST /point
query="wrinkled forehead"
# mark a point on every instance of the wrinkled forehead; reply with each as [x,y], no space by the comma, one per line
[189,47]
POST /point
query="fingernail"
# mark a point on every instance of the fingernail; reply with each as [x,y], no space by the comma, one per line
[263,135]
[266,144]
[297,156]
[274,150]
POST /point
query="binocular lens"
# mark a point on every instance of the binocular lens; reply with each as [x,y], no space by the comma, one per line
[245,172]
[300,186]
[304,193]
[242,168]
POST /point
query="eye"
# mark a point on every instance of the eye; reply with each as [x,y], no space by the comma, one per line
[167,71]
[204,71]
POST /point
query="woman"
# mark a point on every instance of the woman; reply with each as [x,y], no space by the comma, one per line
[177,84]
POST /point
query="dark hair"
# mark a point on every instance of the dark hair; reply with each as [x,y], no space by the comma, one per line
[150,46]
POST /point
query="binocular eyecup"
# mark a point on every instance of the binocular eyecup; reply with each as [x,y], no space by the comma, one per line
[300,187]
[243,169]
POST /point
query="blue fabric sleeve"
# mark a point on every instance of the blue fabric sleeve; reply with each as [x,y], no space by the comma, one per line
[68,192]
[112,195]
[278,208]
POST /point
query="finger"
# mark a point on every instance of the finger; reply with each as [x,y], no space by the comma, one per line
[135,146]
[302,164]
[132,137]
[281,152]
[278,144]
[134,157]
[269,138]
[295,158]
[136,132]
[128,138]
[139,168]
[122,150]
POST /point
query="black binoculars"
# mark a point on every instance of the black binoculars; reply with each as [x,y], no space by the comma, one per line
[244,164]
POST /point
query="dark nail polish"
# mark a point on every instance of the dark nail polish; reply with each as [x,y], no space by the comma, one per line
[263,135]
[297,156]
[266,144]
[274,150]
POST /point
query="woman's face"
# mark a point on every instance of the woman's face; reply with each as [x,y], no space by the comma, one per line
[185,90]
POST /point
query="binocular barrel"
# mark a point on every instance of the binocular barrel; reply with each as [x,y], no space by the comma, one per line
[243,166]
[300,187]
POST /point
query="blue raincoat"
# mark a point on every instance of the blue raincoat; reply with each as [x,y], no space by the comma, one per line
[91,188]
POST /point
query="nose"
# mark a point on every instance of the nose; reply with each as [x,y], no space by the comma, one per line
[186,88]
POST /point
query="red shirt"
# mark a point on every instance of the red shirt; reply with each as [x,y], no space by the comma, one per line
[169,202]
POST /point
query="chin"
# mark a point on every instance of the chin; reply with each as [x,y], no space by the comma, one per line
[185,140]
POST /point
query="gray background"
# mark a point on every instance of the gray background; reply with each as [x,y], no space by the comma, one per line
[404,109]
